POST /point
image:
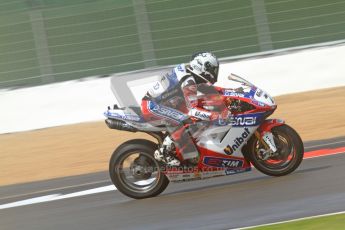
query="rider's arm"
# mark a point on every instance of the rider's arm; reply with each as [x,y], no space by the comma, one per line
[197,110]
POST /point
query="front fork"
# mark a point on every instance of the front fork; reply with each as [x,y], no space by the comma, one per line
[265,136]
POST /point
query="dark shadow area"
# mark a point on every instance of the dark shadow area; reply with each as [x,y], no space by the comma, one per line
[224,184]
[216,185]
[312,169]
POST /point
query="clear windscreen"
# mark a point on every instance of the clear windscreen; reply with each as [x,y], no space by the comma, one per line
[236,78]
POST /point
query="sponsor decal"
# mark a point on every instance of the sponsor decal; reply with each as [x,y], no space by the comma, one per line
[234,171]
[202,115]
[114,115]
[246,119]
[238,141]
[243,121]
[233,94]
[129,117]
[166,112]
[223,162]
[208,174]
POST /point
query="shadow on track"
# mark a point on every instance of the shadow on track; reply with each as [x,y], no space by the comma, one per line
[312,169]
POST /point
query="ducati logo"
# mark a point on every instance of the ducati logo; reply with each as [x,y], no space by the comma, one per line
[238,141]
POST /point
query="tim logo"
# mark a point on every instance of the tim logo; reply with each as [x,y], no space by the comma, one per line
[238,141]
[223,162]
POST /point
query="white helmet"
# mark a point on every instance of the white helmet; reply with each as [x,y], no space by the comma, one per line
[205,65]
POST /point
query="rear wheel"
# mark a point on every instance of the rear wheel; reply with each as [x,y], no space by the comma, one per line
[134,170]
[288,156]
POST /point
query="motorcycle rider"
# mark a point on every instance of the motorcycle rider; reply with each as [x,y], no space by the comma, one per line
[172,101]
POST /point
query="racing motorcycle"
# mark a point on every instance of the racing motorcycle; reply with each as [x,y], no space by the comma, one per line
[138,168]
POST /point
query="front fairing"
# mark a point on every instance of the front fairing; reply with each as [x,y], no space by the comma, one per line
[264,98]
[245,89]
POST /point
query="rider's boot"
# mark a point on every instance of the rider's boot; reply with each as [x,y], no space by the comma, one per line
[172,161]
[166,153]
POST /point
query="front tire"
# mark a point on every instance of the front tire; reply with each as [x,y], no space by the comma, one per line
[289,155]
[134,170]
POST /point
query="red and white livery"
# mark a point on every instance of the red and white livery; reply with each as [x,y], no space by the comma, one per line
[248,138]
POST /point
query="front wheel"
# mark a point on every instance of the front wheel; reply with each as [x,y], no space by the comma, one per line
[288,156]
[134,170]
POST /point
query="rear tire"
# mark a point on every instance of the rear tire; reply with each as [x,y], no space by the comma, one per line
[140,170]
[290,149]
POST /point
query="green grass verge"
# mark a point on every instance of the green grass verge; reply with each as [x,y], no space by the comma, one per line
[328,222]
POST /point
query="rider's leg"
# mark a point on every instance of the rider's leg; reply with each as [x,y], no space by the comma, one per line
[157,114]
[186,147]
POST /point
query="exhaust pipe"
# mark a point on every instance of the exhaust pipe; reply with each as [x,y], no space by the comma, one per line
[119,125]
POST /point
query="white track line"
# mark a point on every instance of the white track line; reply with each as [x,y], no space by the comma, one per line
[35,200]
[54,189]
[289,221]
[54,197]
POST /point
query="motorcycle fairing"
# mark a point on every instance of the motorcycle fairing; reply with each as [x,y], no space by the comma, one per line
[252,119]
[228,141]
[268,124]
[219,146]
[211,164]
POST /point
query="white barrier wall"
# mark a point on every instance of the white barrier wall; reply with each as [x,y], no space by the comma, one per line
[301,71]
[52,105]
[82,101]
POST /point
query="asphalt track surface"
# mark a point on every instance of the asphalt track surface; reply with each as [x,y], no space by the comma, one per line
[316,187]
